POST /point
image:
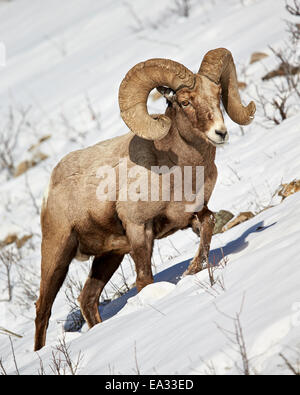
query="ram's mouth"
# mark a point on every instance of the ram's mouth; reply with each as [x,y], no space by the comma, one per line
[215,143]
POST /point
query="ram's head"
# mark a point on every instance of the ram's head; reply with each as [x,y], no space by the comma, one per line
[194,97]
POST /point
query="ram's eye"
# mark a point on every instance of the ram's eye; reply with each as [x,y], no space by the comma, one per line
[185,103]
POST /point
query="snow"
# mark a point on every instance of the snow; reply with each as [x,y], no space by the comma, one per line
[66,57]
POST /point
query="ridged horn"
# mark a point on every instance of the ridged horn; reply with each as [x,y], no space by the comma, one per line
[135,88]
[218,65]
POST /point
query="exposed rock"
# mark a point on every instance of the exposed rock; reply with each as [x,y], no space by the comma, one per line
[242,217]
[28,164]
[9,239]
[41,140]
[242,85]
[22,241]
[39,157]
[257,56]
[289,189]
[22,168]
[283,70]
[222,218]
[13,238]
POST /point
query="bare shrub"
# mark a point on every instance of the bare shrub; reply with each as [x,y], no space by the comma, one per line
[293,8]
[115,288]
[119,284]
[73,289]
[77,134]
[16,122]
[19,274]
[7,332]
[216,284]
[8,258]
[2,368]
[28,281]
[35,204]
[179,8]
[279,97]
[294,368]
[62,361]
[182,8]
[286,57]
[237,339]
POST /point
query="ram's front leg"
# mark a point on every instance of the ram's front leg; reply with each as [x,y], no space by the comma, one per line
[205,222]
[141,241]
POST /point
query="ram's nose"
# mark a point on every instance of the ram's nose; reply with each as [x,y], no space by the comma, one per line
[223,134]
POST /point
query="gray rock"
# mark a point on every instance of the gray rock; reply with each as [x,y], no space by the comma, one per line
[222,218]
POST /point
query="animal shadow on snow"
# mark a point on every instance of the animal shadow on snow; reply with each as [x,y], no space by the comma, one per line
[171,274]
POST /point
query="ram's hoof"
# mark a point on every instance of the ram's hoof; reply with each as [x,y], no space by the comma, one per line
[195,266]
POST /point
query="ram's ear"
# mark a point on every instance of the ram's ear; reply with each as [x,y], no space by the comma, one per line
[168,93]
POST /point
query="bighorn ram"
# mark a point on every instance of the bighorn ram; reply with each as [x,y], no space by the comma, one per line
[74,221]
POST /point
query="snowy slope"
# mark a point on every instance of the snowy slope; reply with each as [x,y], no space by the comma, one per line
[64,58]
[177,329]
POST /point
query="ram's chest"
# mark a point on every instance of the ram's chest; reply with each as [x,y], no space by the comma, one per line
[165,216]
[169,201]
[175,217]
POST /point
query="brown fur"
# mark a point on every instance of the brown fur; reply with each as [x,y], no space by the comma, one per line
[73,219]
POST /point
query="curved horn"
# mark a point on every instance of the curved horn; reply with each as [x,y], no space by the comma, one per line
[135,88]
[218,65]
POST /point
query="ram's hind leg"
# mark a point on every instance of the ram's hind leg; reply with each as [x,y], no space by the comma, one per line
[58,250]
[206,221]
[101,272]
